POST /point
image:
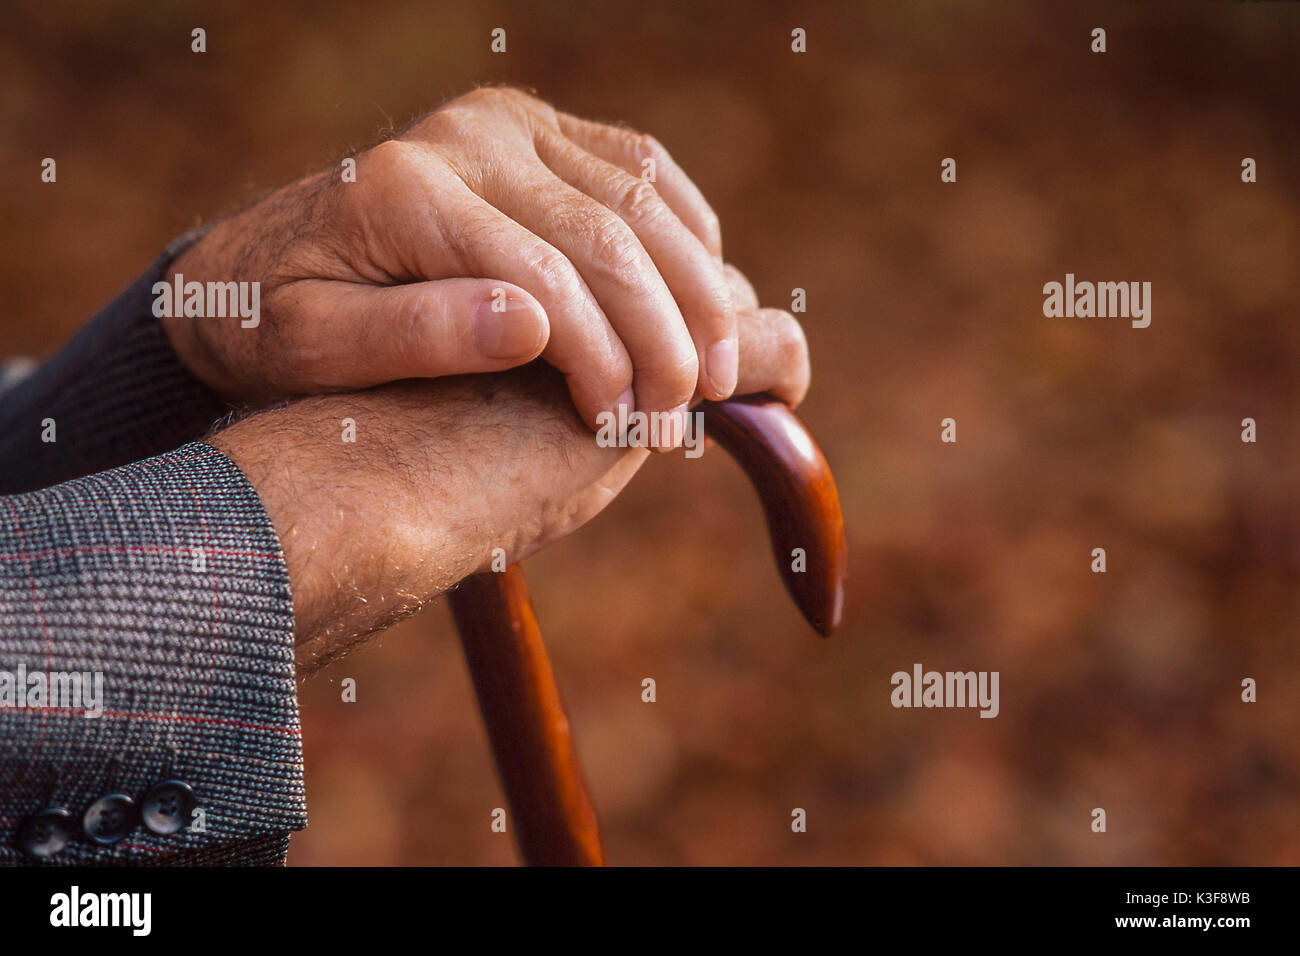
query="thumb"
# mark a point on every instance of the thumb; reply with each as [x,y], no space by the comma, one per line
[363,335]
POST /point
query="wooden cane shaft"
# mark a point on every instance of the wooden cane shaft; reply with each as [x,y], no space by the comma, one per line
[551,816]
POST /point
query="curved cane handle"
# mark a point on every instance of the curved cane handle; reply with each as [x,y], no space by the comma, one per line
[799,498]
[553,818]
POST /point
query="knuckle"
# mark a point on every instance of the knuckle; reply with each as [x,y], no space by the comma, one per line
[457,121]
[555,275]
[719,307]
[676,376]
[792,344]
[513,94]
[637,201]
[795,372]
[712,227]
[391,159]
[742,292]
[541,109]
[487,96]
[684,376]
[616,249]
[647,147]
[515,99]
[613,376]
[421,318]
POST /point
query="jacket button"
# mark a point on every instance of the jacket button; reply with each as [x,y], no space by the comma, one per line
[46,833]
[167,807]
[109,818]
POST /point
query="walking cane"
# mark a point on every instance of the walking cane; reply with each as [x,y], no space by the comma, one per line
[552,815]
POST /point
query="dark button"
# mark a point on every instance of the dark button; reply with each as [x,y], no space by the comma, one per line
[46,833]
[109,818]
[168,806]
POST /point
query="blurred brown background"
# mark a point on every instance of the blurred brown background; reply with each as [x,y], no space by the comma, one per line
[924,301]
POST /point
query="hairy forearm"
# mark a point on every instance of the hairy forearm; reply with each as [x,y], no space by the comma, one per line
[358,559]
[439,475]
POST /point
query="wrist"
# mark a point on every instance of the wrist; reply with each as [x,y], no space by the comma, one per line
[181,332]
[199,262]
[362,550]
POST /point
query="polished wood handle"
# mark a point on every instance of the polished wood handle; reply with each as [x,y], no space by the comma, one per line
[799,499]
[551,814]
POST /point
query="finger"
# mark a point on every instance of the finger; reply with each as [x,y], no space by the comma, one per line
[619,272]
[742,293]
[773,356]
[629,150]
[691,274]
[354,335]
[485,241]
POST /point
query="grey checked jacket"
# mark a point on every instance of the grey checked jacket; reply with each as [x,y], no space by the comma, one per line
[131,550]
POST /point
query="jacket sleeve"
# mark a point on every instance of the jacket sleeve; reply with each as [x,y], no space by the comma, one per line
[115,393]
[148,710]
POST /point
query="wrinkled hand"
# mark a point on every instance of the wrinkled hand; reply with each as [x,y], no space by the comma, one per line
[492,230]
[441,473]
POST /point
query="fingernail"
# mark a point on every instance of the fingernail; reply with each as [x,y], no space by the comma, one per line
[506,333]
[722,366]
[628,398]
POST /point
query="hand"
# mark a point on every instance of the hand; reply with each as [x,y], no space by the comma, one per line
[441,473]
[492,198]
